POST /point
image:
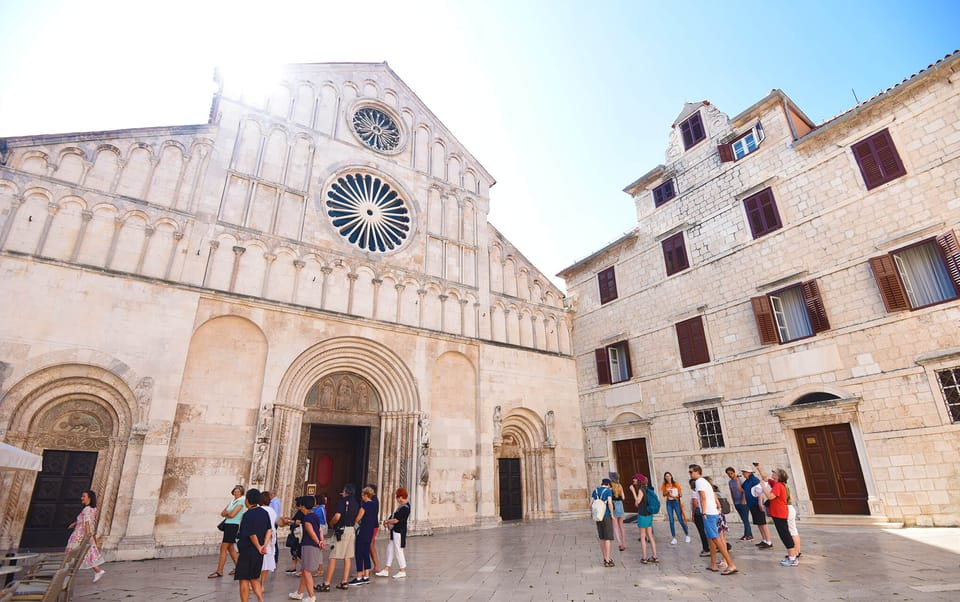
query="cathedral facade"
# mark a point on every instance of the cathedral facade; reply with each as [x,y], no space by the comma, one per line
[303,292]
[790,295]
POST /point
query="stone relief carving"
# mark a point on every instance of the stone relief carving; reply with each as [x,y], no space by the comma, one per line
[326,394]
[344,395]
[362,397]
[497,424]
[144,395]
[343,392]
[423,458]
[78,422]
[551,421]
[260,463]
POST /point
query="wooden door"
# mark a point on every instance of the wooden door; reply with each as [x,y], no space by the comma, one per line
[55,502]
[631,457]
[511,491]
[832,467]
[338,455]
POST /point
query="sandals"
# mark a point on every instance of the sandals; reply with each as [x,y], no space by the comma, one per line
[214,575]
[622,548]
[233,572]
[343,585]
[713,570]
[729,572]
[321,587]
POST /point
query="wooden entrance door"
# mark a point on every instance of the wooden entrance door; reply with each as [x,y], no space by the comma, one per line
[55,502]
[338,455]
[832,467]
[511,492]
[631,457]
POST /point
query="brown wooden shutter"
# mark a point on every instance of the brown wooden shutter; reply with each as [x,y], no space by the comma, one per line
[603,366]
[766,323]
[625,347]
[887,156]
[726,153]
[814,303]
[951,255]
[888,281]
[692,342]
[607,283]
[863,152]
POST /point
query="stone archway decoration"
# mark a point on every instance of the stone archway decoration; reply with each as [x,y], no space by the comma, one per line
[359,377]
[525,434]
[76,407]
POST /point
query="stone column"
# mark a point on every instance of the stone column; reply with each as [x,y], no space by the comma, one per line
[147,234]
[52,209]
[86,215]
[269,258]
[376,282]
[298,266]
[237,253]
[352,278]
[282,475]
[325,271]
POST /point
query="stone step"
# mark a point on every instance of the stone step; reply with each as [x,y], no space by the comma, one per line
[848,520]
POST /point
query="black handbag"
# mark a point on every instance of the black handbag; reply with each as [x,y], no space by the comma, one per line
[223,525]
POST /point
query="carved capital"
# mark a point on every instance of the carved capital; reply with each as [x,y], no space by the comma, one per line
[352,276]
[376,282]
[239,250]
[422,292]
[269,257]
[399,287]
[148,231]
[214,244]
[443,298]
[177,235]
[298,264]
[326,270]
[52,208]
[86,215]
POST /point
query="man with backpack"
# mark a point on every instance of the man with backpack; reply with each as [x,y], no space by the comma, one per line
[601,508]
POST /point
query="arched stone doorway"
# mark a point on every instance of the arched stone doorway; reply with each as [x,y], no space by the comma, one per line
[352,383]
[70,413]
[526,465]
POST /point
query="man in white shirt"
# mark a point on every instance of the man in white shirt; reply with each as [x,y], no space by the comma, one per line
[711,518]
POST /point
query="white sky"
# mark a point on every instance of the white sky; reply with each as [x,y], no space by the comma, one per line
[565,103]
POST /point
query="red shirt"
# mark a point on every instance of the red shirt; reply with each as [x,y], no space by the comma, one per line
[778,505]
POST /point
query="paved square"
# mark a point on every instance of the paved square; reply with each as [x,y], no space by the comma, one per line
[560,560]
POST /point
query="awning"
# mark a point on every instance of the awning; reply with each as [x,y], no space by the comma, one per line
[17,459]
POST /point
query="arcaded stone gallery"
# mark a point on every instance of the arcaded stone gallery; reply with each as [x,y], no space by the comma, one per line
[303,292]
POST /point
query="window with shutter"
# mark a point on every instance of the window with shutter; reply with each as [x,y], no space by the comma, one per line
[663,193]
[607,281]
[878,159]
[692,342]
[675,254]
[920,275]
[692,131]
[762,214]
[613,363]
[742,146]
[795,312]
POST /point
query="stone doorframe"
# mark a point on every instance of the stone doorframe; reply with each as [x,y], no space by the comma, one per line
[523,434]
[844,409]
[404,430]
[76,407]
[622,427]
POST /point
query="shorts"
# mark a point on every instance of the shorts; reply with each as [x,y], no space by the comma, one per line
[759,516]
[711,525]
[605,528]
[346,547]
[230,532]
[618,509]
[311,558]
[249,565]
[792,521]
[644,521]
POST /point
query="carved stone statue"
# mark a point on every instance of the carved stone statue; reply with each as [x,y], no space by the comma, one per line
[344,394]
[423,465]
[144,394]
[362,397]
[263,430]
[260,463]
[425,430]
[551,422]
[497,424]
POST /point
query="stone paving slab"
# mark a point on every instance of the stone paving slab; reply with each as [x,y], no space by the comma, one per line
[560,560]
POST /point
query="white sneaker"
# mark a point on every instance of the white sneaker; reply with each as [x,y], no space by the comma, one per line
[400,575]
[310,599]
[97,576]
[295,596]
[673,541]
[383,573]
[686,539]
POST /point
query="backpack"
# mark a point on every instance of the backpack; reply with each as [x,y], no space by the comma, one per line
[598,508]
[653,502]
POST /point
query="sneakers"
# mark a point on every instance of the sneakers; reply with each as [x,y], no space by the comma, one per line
[295,596]
[790,562]
[359,581]
[746,538]
[673,541]
[764,545]
[383,573]
[686,539]
[402,574]
[98,576]
[704,554]
[310,599]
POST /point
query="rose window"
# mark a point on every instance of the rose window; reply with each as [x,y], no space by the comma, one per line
[368,212]
[376,129]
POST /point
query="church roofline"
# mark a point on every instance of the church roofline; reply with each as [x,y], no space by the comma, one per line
[102,134]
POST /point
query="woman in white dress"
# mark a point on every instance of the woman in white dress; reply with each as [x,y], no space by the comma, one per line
[270,558]
[86,524]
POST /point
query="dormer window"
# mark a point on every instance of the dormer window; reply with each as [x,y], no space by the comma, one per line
[692,131]
[742,146]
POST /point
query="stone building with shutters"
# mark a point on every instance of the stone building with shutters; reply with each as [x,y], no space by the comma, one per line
[303,292]
[789,295]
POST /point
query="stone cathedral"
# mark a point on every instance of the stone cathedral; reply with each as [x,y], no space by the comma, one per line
[303,292]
